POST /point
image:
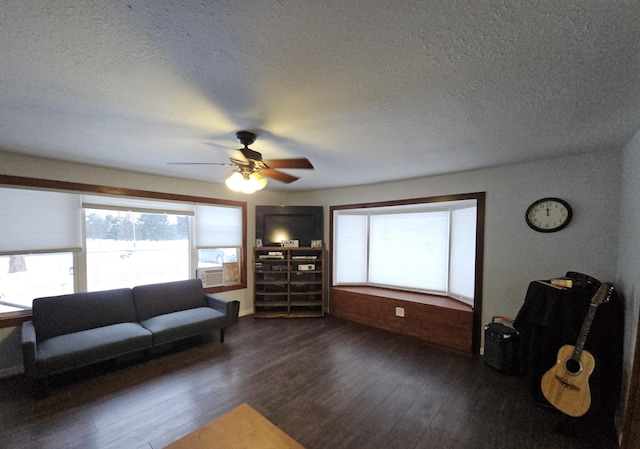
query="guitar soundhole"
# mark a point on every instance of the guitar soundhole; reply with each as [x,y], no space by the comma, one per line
[572,366]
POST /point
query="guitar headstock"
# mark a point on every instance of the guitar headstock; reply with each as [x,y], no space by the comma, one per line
[603,294]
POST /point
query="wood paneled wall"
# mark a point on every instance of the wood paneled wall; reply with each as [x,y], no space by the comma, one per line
[441,321]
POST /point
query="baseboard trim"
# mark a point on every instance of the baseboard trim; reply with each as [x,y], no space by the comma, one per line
[245,312]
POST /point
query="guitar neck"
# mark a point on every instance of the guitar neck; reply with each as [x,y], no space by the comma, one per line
[584,332]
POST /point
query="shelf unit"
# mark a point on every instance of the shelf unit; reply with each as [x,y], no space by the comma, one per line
[288,282]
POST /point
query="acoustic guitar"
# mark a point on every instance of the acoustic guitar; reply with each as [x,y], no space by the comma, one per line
[566,384]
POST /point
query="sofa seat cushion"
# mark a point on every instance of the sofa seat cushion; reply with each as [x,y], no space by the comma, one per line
[185,323]
[81,348]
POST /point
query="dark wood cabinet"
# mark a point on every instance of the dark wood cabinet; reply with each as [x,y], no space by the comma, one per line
[288,282]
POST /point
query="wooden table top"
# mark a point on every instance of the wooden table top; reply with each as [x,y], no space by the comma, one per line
[241,428]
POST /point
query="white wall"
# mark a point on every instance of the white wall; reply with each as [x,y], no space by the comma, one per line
[514,254]
[628,279]
[10,352]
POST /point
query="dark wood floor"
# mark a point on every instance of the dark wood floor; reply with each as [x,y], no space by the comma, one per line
[326,382]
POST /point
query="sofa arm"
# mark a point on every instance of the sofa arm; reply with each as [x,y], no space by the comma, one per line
[29,348]
[230,307]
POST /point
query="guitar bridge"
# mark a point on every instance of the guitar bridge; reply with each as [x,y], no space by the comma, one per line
[566,384]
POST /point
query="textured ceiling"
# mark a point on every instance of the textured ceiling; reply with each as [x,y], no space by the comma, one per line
[369,91]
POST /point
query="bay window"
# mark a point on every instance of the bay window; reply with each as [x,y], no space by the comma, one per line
[423,246]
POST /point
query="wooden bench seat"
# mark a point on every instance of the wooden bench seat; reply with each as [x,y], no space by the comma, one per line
[435,319]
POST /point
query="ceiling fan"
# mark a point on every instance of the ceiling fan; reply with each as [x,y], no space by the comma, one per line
[254,167]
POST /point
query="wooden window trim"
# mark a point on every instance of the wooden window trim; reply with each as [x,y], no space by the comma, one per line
[14,319]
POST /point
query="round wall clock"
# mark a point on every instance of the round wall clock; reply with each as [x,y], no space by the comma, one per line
[549,215]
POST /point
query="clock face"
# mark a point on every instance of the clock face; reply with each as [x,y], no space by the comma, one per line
[549,215]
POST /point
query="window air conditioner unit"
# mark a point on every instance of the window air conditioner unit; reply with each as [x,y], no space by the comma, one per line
[210,277]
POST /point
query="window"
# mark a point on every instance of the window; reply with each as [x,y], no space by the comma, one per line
[58,241]
[131,242]
[125,249]
[218,235]
[24,277]
[40,238]
[215,257]
[36,221]
[417,246]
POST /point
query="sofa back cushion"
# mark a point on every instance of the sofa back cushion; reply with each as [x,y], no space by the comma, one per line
[157,299]
[59,315]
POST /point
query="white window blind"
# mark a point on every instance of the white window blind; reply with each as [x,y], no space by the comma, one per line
[136,204]
[41,221]
[218,226]
[463,252]
[410,250]
[422,247]
[350,248]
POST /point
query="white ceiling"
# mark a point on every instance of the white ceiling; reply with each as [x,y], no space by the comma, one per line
[369,91]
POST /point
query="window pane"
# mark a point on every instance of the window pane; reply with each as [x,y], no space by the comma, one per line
[215,257]
[125,249]
[24,277]
[410,250]
[427,247]
[463,253]
[350,235]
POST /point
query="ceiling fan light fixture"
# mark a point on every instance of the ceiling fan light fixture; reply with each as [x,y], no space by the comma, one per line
[252,171]
[258,180]
[245,182]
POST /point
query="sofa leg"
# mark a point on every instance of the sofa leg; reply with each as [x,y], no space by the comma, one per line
[222,335]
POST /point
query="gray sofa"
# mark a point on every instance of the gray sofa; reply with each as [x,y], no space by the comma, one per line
[71,331]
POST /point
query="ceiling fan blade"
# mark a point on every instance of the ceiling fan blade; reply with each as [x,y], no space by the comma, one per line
[278,175]
[239,162]
[301,162]
[218,145]
[226,164]
[250,154]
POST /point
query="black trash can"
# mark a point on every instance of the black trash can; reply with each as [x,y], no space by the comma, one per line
[502,346]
